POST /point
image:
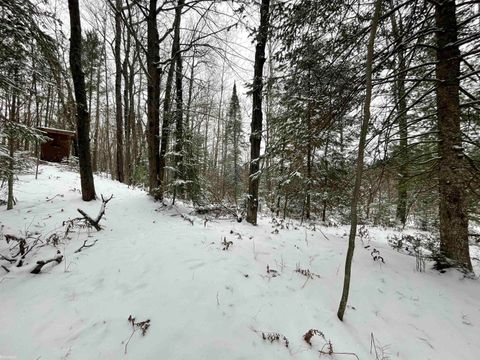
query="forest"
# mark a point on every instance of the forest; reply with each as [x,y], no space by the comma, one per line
[348,119]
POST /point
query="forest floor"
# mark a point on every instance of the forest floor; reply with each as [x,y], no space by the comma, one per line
[205,301]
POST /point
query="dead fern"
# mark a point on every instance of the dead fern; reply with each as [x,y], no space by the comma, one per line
[375,254]
[307,273]
[275,337]
[327,349]
[226,244]
[142,326]
[272,272]
[310,334]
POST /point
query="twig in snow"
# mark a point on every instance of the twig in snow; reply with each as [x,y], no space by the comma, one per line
[307,273]
[5,268]
[186,218]
[85,246]
[272,272]
[142,325]
[24,247]
[42,263]
[378,350]
[325,236]
[47,199]
[226,244]
[7,259]
[309,335]
[339,353]
[272,336]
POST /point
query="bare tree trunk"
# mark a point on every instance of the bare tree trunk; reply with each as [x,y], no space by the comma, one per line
[453,199]
[268,124]
[190,90]
[135,133]
[47,109]
[360,160]
[83,118]
[219,119]
[97,123]
[107,113]
[153,102]
[126,107]
[257,116]
[325,183]
[129,115]
[402,195]
[118,91]
[179,130]
[167,100]
[309,163]
[11,152]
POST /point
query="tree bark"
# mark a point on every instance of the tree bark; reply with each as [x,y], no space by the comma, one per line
[83,117]
[360,160]
[153,102]
[11,153]
[167,100]
[179,130]
[402,195]
[257,116]
[118,91]
[453,199]
[108,164]
[97,122]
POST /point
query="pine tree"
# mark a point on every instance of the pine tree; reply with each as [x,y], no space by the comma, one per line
[235,143]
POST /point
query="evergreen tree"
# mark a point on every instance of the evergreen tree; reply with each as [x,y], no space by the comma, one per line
[235,144]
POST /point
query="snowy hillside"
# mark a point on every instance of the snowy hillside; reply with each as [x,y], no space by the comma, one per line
[215,289]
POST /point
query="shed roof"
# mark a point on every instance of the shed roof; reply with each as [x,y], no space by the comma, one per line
[58,131]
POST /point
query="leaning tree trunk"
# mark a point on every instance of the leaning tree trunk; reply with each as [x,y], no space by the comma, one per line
[360,159]
[256,125]
[453,199]
[118,91]
[153,102]
[83,117]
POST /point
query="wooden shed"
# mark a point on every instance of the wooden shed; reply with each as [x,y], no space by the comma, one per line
[59,146]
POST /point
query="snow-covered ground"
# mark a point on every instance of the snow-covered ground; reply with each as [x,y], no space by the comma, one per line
[204,302]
